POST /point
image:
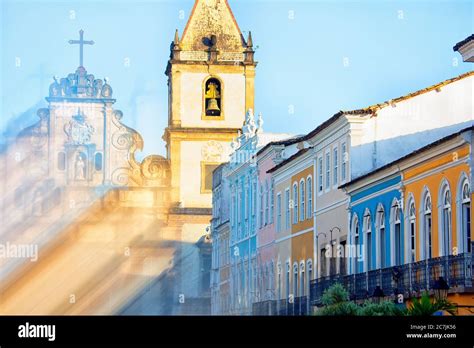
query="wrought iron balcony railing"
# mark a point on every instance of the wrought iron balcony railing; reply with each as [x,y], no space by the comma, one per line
[295,307]
[408,279]
[263,308]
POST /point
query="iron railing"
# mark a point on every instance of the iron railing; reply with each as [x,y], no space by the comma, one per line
[263,308]
[408,279]
[297,306]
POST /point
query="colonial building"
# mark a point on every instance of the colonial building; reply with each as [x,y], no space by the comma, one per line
[246,213]
[411,224]
[300,240]
[270,207]
[220,233]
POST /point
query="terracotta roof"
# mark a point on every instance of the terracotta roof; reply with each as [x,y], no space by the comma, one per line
[416,152]
[463,42]
[289,159]
[376,107]
[365,111]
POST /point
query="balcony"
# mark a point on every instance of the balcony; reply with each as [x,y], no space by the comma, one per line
[409,279]
[264,308]
[298,307]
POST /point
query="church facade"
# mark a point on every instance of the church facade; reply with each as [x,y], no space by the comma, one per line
[130,237]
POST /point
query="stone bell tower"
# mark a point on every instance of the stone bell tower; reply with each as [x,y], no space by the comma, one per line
[211,75]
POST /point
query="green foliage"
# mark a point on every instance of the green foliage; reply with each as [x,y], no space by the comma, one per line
[336,303]
[347,308]
[384,308]
[425,307]
[334,295]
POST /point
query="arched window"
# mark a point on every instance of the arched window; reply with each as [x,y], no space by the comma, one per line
[267,203]
[261,207]
[213,97]
[368,238]
[302,199]
[295,203]
[302,279]
[427,227]
[382,238]
[98,161]
[309,190]
[271,285]
[272,201]
[355,251]
[397,234]
[466,218]
[446,222]
[248,202]
[279,281]
[412,229]
[309,264]
[295,279]
[279,213]
[288,275]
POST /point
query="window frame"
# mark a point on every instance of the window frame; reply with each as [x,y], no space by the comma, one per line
[344,161]
[309,195]
[335,165]
[295,203]
[279,212]
[203,176]
[302,198]
[205,117]
[327,167]
[320,175]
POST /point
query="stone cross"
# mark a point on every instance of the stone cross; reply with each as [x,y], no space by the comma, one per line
[81,44]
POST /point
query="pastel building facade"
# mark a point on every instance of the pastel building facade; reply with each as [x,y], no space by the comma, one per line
[294,234]
[246,213]
[438,200]
[220,234]
[352,144]
[331,206]
[267,157]
[410,224]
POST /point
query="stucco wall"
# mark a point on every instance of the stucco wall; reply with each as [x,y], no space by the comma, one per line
[413,123]
[191,100]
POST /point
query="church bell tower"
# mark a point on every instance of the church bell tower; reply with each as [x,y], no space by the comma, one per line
[211,75]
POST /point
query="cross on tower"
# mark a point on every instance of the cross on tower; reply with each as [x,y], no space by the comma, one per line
[81,44]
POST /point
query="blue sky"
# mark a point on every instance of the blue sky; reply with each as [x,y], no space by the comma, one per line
[315,57]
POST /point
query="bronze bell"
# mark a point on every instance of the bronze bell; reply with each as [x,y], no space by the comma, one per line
[213,107]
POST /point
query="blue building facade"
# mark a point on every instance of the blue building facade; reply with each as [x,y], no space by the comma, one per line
[376,231]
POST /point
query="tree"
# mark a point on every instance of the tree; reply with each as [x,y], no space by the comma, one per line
[336,302]
[425,307]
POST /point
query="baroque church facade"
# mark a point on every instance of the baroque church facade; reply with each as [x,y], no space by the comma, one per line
[116,235]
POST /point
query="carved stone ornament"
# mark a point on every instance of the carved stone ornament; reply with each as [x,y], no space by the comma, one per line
[79,132]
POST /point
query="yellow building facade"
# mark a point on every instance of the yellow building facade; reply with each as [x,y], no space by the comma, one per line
[438,215]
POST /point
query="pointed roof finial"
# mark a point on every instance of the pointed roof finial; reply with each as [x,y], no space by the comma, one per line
[260,123]
[176,37]
[249,40]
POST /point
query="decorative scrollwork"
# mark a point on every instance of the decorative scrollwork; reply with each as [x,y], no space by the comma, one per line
[120,176]
[154,168]
[122,141]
